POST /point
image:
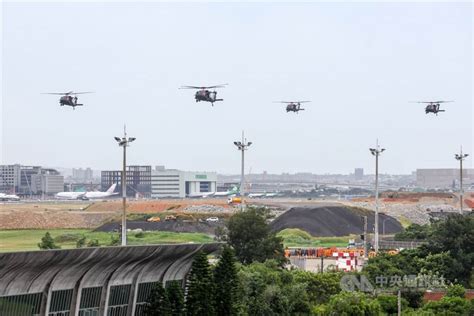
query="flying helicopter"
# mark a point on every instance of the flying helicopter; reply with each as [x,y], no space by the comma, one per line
[69,98]
[433,106]
[204,94]
[293,106]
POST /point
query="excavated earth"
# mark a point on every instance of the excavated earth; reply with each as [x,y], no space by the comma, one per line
[332,220]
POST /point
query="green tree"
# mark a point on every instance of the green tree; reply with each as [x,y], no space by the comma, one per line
[449,252]
[448,306]
[93,243]
[414,232]
[199,298]
[47,242]
[176,298]
[114,240]
[267,289]
[456,290]
[352,303]
[389,303]
[220,233]
[225,277]
[158,303]
[251,237]
[454,235]
[319,286]
[81,242]
[414,298]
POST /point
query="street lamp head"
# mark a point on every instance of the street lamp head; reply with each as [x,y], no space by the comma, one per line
[249,143]
[131,139]
[117,139]
[238,144]
[382,150]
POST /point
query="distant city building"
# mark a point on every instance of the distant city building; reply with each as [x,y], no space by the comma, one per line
[359,173]
[49,182]
[82,175]
[30,180]
[9,178]
[179,184]
[138,180]
[443,178]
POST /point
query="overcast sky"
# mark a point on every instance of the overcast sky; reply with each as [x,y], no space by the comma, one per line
[360,64]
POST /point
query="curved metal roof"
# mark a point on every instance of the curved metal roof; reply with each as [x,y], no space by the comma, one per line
[39,271]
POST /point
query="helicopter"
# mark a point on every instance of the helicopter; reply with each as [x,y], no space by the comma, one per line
[69,98]
[203,93]
[433,106]
[293,106]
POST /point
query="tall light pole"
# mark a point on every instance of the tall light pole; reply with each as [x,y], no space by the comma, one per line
[242,146]
[460,157]
[376,152]
[124,142]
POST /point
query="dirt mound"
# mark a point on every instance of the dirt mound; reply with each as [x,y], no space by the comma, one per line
[408,195]
[157,206]
[333,221]
[51,219]
[172,226]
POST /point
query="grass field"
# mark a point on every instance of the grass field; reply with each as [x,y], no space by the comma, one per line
[293,237]
[23,240]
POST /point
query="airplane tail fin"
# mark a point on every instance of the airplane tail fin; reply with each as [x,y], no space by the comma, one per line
[112,188]
[235,189]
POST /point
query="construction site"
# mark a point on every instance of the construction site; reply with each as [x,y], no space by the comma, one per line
[317,217]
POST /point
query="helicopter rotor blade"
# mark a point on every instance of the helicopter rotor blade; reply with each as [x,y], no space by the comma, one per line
[191,87]
[289,102]
[81,92]
[430,102]
[218,86]
[67,93]
[202,88]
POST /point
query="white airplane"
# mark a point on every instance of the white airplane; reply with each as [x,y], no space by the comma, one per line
[262,195]
[9,197]
[87,195]
[256,195]
[235,190]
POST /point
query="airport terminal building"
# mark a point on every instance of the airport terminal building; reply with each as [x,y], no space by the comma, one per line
[143,181]
[172,183]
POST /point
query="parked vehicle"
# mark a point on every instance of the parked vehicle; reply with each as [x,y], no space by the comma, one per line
[154,219]
[170,218]
[234,200]
[212,219]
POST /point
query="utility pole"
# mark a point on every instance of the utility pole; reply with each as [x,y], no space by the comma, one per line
[365,238]
[124,142]
[461,157]
[399,303]
[376,152]
[242,146]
